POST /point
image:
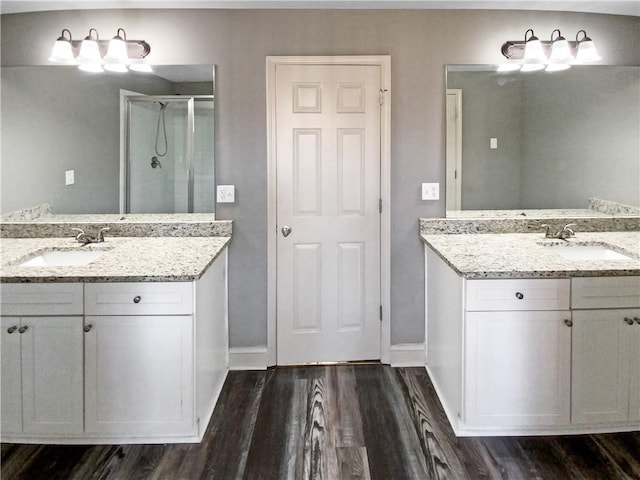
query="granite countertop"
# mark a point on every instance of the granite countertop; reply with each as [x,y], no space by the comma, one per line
[522,255]
[126,259]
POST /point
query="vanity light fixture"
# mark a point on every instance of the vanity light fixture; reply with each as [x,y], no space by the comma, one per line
[95,55]
[560,58]
[62,51]
[552,55]
[534,56]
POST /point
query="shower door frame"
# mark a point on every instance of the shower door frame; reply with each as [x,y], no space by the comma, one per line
[125,150]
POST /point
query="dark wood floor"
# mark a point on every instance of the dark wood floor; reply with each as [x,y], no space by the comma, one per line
[339,422]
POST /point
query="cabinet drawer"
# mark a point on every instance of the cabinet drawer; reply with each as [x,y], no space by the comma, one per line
[518,294]
[155,298]
[605,292]
[41,298]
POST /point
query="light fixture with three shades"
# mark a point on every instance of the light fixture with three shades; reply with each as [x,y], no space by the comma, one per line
[532,52]
[95,55]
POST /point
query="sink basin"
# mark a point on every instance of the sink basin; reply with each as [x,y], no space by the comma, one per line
[68,258]
[586,252]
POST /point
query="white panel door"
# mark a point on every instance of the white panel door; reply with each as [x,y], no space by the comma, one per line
[328,189]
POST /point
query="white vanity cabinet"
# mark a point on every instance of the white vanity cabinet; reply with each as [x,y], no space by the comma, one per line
[606,350]
[42,392]
[114,362]
[533,356]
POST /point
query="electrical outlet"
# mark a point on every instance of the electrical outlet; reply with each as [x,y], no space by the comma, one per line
[430,191]
[226,194]
[69,177]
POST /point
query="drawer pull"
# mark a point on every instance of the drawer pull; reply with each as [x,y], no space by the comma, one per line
[87,328]
[23,329]
[568,322]
[12,329]
[628,321]
[137,299]
[519,296]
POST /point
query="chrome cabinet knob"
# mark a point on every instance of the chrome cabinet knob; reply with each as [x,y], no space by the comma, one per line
[519,295]
[87,328]
[23,328]
[286,230]
[637,319]
[628,321]
[568,322]
[137,299]
[12,329]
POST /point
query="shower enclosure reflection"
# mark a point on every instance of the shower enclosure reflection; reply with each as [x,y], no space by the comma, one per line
[167,154]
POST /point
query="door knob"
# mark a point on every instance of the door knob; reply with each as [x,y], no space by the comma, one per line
[286,230]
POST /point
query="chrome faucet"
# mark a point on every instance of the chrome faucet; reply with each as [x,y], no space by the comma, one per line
[85,238]
[563,234]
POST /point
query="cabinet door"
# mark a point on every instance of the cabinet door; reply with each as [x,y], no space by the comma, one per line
[517,369]
[11,392]
[52,375]
[139,375]
[601,365]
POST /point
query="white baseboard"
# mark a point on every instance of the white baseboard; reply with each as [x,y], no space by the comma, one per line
[407,355]
[248,358]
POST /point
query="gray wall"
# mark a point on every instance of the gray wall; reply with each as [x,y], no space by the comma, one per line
[237,41]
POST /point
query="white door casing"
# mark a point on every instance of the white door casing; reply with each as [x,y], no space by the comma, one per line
[328,171]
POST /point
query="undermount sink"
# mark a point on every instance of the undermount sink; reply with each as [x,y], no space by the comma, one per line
[67,258]
[586,252]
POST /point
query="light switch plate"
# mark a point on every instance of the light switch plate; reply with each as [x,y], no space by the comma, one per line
[493,143]
[69,177]
[430,191]
[226,194]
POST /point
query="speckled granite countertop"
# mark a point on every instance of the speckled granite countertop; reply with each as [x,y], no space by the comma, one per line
[522,255]
[126,259]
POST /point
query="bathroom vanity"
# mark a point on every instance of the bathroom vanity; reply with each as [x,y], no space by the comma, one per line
[131,347]
[524,339]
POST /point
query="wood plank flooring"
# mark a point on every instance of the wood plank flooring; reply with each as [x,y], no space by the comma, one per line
[366,422]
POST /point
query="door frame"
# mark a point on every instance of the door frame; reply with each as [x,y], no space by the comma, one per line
[384,62]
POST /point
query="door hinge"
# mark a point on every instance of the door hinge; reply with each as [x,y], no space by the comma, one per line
[380,312]
[380,205]
[381,95]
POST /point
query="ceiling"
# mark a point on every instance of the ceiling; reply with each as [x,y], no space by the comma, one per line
[615,7]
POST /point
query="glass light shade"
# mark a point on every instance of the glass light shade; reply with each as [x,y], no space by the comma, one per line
[560,52]
[62,52]
[533,52]
[117,52]
[89,52]
[587,52]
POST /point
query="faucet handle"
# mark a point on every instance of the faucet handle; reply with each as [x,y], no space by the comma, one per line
[568,229]
[547,232]
[100,237]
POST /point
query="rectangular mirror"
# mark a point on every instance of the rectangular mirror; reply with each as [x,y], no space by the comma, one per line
[59,122]
[541,140]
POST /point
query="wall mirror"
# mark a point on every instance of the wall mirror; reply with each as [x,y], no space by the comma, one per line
[151,134]
[541,140]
